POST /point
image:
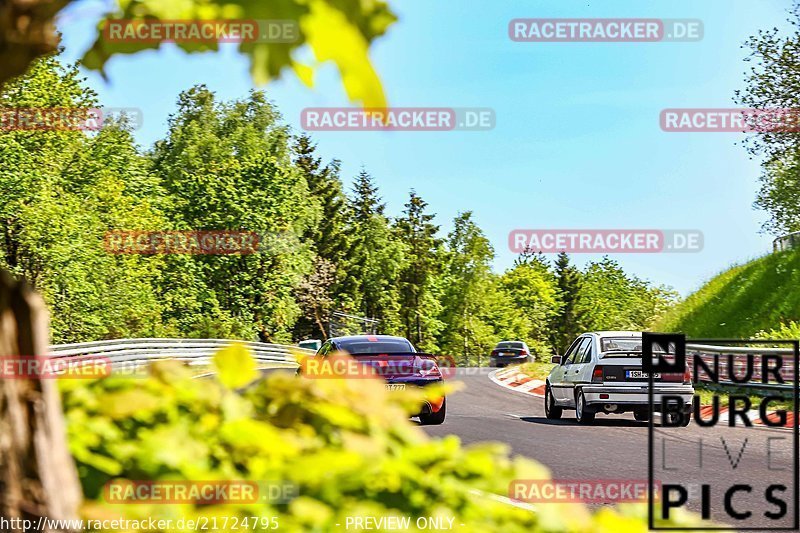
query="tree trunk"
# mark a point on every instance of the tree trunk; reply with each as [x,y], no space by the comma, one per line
[37,474]
[320,325]
[27,31]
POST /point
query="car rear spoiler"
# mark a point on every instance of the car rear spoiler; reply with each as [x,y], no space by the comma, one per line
[624,353]
[443,361]
[619,353]
[418,354]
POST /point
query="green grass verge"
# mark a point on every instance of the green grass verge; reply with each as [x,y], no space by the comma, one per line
[536,370]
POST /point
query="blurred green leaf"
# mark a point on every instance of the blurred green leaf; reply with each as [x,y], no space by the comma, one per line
[235,366]
[340,31]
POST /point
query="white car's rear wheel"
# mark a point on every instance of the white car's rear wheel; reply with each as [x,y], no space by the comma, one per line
[582,415]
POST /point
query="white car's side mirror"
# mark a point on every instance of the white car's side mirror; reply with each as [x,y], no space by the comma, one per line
[556,359]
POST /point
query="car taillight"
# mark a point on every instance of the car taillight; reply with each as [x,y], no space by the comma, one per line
[523,352]
[597,374]
[426,368]
[672,377]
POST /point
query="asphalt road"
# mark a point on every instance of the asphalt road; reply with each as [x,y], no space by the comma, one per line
[616,448]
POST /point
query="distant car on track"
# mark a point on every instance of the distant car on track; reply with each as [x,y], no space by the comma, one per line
[509,352]
[398,362]
[601,372]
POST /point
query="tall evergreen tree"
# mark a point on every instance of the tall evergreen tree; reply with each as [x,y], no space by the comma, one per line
[374,258]
[416,229]
[328,235]
[366,202]
[568,320]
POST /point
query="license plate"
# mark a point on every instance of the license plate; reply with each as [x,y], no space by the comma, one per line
[638,374]
[506,353]
[395,386]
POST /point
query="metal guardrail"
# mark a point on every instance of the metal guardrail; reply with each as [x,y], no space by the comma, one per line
[738,356]
[131,354]
[786,242]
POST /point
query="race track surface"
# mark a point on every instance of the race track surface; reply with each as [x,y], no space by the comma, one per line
[615,447]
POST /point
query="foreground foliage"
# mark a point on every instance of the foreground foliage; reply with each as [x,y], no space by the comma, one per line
[332,31]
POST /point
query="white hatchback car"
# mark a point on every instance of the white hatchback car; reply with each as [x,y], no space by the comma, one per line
[602,373]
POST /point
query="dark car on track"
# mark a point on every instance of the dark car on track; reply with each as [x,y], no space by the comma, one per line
[397,361]
[509,352]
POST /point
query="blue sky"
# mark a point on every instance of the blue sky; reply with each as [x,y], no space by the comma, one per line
[577,142]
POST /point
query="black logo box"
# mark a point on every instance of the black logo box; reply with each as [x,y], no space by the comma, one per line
[678,365]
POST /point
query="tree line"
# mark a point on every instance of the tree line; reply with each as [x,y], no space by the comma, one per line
[325,247]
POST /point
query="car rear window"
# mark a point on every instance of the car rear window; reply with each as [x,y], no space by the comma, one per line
[624,345]
[515,345]
[377,347]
